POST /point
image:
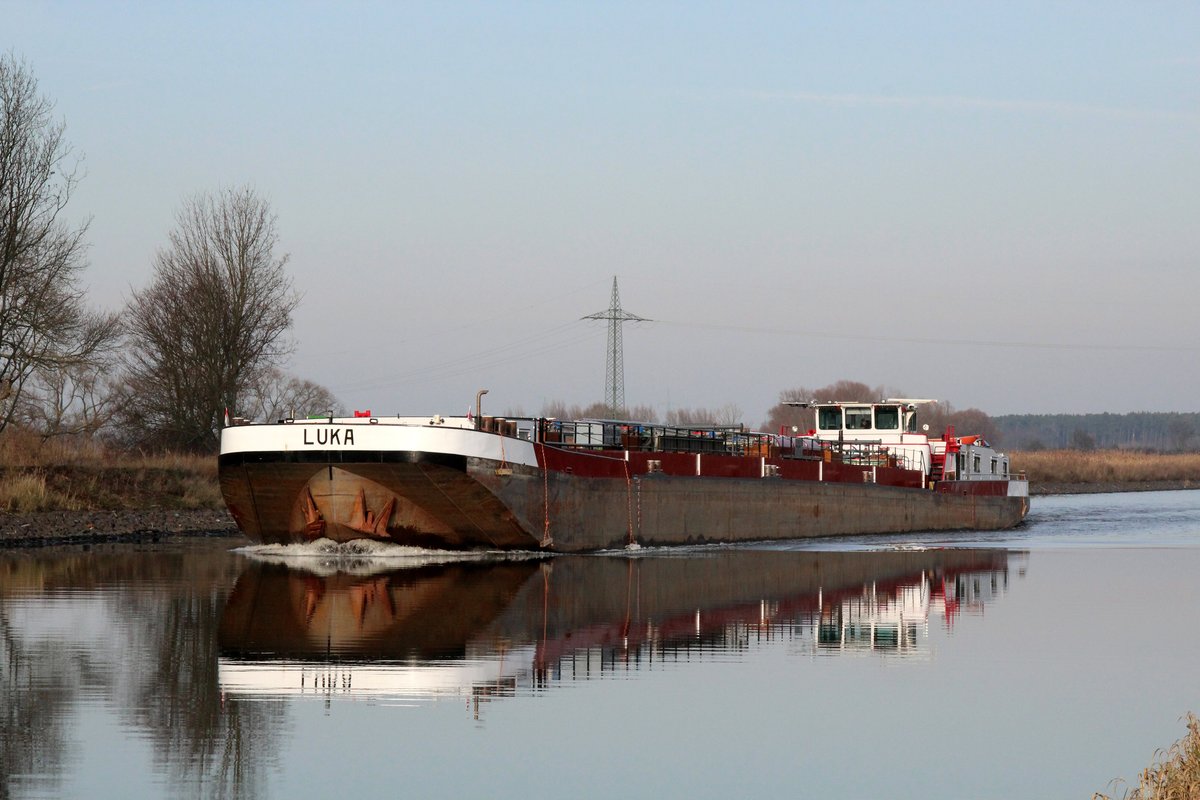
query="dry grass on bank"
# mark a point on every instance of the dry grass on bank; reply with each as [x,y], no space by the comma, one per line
[1175,774]
[1106,466]
[62,475]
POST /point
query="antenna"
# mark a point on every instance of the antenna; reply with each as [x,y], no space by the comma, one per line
[614,382]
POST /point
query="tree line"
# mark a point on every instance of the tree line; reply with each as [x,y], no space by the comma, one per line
[208,335]
[1160,431]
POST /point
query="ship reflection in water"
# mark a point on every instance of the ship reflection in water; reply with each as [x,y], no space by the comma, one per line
[487,629]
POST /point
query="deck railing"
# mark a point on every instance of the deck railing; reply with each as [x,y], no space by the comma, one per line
[717,440]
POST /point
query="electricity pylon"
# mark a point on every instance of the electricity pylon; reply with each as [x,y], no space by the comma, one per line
[614,382]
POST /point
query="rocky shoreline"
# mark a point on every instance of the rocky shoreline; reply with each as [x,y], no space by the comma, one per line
[151,525]
[154,525]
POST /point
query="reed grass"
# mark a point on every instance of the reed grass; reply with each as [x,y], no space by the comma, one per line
[1174,775]
[202,493]
[62,475]
[1106,466]
[24,493]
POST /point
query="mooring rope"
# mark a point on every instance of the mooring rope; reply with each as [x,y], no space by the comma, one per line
[546,540]
[629,500]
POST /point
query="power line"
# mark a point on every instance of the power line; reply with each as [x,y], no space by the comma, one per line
[1013,343]
[501,354]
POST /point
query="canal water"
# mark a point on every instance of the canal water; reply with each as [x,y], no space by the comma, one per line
[1041,662]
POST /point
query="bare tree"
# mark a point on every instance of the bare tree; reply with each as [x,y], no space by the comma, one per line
[44,326]
[728,414]
[784,417]
[215,315]
[557,409]
[275,395]
[642,413]
[74,399]
[940,416]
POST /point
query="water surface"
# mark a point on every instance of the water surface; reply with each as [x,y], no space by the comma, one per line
[1040,662]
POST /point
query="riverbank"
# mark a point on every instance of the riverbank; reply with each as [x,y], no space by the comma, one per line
[154,525]
[1041,488]
[62,498]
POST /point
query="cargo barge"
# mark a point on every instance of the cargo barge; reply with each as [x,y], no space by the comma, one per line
[584,485]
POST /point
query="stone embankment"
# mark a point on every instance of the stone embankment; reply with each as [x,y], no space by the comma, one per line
[45,528]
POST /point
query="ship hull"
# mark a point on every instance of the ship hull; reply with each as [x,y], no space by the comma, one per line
[469,489]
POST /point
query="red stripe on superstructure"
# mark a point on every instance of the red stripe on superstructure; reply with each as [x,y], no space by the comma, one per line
[613,464]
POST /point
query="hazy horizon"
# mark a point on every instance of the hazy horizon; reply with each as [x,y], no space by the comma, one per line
[990,205]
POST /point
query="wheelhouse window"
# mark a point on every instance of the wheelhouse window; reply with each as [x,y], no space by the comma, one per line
[887,418]
[858,418]
[829,418]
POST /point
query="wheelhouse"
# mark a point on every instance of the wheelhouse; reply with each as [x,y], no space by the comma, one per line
[865,418]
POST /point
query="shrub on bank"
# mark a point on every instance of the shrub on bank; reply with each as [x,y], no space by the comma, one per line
[1175,774]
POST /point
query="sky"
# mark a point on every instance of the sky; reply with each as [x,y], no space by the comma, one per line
[992,204]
